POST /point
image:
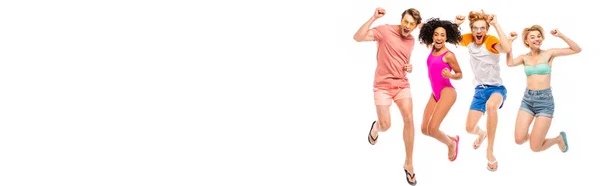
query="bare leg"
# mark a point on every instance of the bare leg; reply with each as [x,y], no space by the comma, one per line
[427,114]
[406,109]
[472,119]
[538,141]
[492,106]
[447,99]
[383,122]
[522,124]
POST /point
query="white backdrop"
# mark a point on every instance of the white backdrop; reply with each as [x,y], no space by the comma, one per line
[256,92]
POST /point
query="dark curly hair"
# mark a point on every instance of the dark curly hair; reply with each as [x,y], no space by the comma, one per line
[453,34]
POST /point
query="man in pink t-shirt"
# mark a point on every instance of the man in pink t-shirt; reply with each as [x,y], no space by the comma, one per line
[394,47]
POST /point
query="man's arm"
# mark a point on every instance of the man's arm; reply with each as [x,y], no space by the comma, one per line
[504,46]
[365,33]
[459,19]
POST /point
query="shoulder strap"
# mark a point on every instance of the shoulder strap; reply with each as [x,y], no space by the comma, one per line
[443,54]
[543,58]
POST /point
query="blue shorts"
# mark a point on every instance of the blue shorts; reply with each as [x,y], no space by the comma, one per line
[538,102]
[483,93]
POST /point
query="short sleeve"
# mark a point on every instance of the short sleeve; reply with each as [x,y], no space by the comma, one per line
[466,39]
[379,32]
[490,42]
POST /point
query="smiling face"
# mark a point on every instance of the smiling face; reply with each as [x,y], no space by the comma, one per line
[534,39]
[439,38]
[479,30]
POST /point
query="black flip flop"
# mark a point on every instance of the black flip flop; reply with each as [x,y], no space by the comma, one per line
[408,177]
[370,136]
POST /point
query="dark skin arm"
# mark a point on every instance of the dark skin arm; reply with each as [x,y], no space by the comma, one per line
[450,58]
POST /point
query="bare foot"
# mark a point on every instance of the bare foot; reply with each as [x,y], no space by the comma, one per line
[411,177]
[479,139]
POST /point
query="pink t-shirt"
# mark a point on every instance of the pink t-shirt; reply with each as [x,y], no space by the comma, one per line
[393,53]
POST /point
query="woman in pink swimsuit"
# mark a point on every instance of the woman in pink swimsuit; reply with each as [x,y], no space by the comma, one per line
[440,63]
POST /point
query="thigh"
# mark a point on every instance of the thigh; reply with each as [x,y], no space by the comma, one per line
[496,100]
[540,129]
[447,99]
[501,90]
[473,118]
[406,109]
[383,114]
[428,111]
[382,97]
[522,124]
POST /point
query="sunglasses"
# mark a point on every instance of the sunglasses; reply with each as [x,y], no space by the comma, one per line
[409,24]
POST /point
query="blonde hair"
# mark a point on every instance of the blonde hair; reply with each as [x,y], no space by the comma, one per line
[476,16]
[526,32]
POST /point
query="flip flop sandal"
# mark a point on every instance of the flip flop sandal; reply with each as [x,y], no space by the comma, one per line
[490,169]
[408,177]
[564,137]
[477,145]
[371,136]
[456,148]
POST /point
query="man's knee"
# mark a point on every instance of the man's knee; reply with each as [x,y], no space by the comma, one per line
[469,128]
[384,125]
[408,120]
[492,106]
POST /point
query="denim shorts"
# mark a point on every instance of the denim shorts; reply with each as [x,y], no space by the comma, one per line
[538,102]
[483,93]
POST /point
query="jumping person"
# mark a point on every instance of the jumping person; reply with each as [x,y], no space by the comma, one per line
[538,101]
[490,93]
[440,64]
[394,47]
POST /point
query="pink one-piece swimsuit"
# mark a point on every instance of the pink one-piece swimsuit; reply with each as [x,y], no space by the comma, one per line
[435,65]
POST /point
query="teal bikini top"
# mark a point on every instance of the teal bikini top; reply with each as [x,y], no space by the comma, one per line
[541,68]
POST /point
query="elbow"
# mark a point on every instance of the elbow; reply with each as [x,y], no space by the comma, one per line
[357,38]
[507,48]
[510,63]
[458,76]
[577,50]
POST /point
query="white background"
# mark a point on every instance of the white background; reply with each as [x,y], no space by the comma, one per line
[256,92]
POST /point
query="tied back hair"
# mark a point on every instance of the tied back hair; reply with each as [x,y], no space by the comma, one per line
[453,34]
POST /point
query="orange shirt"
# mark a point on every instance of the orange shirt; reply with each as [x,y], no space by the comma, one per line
[393,53]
